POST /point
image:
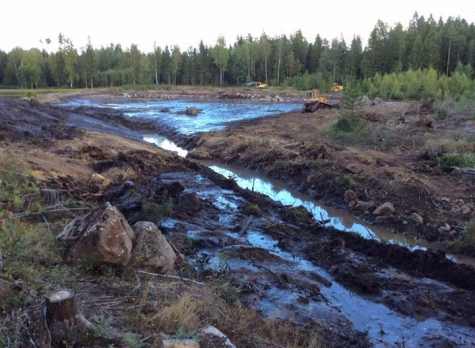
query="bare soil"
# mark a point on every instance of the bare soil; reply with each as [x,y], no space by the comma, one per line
[389,162]
[63,148]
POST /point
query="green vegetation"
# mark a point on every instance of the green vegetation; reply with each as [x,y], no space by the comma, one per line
[428,58]
[344,182]
[452,152]
[125,308]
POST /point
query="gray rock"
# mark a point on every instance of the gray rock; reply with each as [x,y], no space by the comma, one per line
[384,209]
[101,236]
[417,218]
[188,202]
[350,196]
[151,249]
[191,111]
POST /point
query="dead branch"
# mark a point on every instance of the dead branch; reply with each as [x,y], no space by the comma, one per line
[171,277]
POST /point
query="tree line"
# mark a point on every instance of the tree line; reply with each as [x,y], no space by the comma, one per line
[426,46]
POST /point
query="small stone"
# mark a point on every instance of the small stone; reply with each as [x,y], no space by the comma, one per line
[444,229]
[384,209]
[350,196]
[353,168]
[180,344]
[417,218]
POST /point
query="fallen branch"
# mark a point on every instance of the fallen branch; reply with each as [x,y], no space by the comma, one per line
[48,211]
[171,277]
[465,170]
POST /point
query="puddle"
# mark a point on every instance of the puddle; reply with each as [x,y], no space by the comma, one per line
[331,305]
[212,116]
[338,219]
[280,192]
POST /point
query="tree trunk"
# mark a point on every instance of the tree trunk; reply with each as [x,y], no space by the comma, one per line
[64,318]
[1,260]
[156,71]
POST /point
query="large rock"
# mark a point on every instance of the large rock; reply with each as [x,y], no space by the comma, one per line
[101,236]
[191,111]
[384,209]
[188,202]
[151,249]
[350,196]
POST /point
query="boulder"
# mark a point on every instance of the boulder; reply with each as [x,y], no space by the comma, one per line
[353,168]
[191,111]
[101,236]
[417,218]
[213,335]
[188,202]
[445,229]
[350,196]
[384,209]
[151,249]
[200,154]
[365,206]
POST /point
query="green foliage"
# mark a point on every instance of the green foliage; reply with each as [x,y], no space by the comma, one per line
[264,142]
[297,214]
[12,240]
[253,209]
[182,333]
[461,161]
[154,212]
[230,294]
[469,233]
[344,182]
[131,340]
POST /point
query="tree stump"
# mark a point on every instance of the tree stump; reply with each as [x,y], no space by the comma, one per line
[64,318]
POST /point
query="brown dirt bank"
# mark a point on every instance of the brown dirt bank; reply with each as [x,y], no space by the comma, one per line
[61,150]
[389,162]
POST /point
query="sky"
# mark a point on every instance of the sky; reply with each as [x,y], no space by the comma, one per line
[186,22]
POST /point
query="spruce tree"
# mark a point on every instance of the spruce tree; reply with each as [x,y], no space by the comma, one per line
[351,109]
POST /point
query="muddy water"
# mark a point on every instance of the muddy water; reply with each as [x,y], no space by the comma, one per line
[286,285]
[171,113]
[280,192]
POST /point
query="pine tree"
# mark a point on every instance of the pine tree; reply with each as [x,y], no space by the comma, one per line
[351,110]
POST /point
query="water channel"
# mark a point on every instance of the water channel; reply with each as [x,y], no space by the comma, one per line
[214,116]
[364,315]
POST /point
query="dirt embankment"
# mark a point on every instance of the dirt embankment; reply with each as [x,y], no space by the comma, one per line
[389,162]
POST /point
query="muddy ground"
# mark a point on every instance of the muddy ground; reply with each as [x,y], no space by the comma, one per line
[62,149]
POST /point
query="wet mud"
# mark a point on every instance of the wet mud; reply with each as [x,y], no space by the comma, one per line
[358,292]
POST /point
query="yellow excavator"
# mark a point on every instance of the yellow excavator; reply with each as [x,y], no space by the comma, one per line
[313,101]
[337,88]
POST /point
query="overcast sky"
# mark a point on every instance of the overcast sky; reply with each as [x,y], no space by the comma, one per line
[186,22]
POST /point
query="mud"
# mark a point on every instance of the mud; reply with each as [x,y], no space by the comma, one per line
[358,292]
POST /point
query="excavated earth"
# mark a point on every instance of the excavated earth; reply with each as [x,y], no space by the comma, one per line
[63,148]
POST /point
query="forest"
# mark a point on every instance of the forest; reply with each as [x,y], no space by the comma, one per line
[428,58]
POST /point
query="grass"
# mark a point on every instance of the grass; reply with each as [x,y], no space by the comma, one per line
[126,307]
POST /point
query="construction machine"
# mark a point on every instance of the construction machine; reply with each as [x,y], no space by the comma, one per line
[314,101]
[337,88]
[255,84]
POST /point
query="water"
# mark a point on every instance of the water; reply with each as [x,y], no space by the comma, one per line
[340,305]
[166,144]
[212,116]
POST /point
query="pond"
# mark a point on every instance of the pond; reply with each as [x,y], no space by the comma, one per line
[212,116]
